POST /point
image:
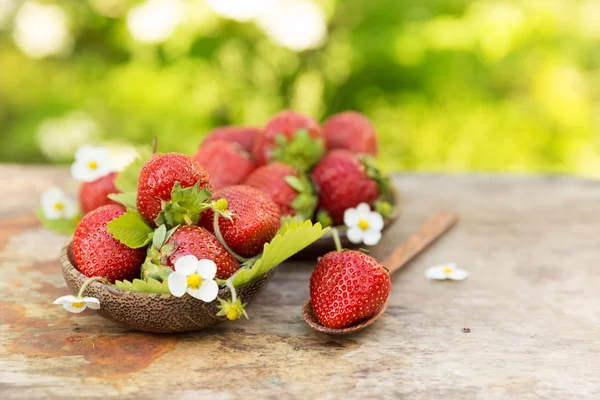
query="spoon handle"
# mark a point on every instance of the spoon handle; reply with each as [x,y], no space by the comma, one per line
[431,230]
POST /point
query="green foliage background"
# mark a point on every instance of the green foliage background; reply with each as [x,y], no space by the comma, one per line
[451,85]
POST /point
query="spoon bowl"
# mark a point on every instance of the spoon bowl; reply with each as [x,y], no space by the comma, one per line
[430,231]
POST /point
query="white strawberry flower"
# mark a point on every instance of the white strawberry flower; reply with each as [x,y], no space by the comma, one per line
[446,271]
[195,277]
[78,304]
[91,163]
[363,225]
[57,205]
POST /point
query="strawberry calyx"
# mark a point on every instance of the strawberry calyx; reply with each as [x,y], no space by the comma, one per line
[155,266]
[302,151]
[233,308]
[185,206]
[306,201]
[384,208]
[373,172]
[324,218]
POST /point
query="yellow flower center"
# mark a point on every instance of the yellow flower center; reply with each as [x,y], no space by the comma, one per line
[93,165]
[78,304]
[448,270]
[363,224]
[194,281]
[222,204]
[59,206]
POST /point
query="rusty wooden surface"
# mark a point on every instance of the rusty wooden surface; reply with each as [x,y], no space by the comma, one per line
[531,302]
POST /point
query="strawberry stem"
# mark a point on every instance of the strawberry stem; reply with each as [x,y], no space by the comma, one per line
[336,239]
[222,240]
[154,144]
[87,283]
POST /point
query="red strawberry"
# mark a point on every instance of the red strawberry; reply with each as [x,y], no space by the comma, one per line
[159,175]
[245,136]
[342,181]
[202,244]
[256,219]
[287,187]
[97,253]
[288,124]
[352,131]
[347,287]
[95,194]
[227,163]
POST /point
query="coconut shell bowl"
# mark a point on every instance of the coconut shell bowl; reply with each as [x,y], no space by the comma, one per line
[152,312]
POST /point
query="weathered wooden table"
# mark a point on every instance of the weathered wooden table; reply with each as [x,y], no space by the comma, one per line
[532,303]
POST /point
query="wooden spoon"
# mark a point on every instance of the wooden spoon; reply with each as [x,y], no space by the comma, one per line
[431,230]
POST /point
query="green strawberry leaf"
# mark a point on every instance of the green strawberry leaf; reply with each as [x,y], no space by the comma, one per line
[375,173]
[149,286]
[306,201]
[384,208]
[131,229]
[185,206]
[62,226]
[127,180]
[324,218]
[301,152]
[128,200]
[290,239]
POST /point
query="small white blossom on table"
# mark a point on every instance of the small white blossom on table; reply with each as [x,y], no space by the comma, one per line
[57,205]
[195,277]
[446,271]
[91,163]
[78,304]
[364,225]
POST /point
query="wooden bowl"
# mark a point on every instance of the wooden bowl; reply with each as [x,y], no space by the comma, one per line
[151,312]
[325,244]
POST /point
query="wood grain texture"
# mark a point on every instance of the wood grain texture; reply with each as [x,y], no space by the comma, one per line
[531,301]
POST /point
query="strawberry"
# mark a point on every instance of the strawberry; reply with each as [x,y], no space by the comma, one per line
[255,222]
[158,178]
[347,287]
[343,181]
[97,253]
[227,163]
[292,138]
[245,136]
[352,131]
[287,187]
[202,244]
[95,194]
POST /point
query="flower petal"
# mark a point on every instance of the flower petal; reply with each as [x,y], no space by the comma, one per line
[84,151]
[355,235]
[51,196]
[208,291]
[81,173]
[435,273]
[458,275]
[69,307]
[92,303]
[65,299]
[371,237]
[375,221]
[177,284]
[70,208]
[363,210]
[186,265]
[351,217]
[207,269]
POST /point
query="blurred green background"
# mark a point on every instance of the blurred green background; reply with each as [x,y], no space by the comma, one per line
[451,85]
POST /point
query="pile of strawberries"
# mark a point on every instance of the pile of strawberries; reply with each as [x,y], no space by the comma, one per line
[174,190]
[225,202]
[310,171]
